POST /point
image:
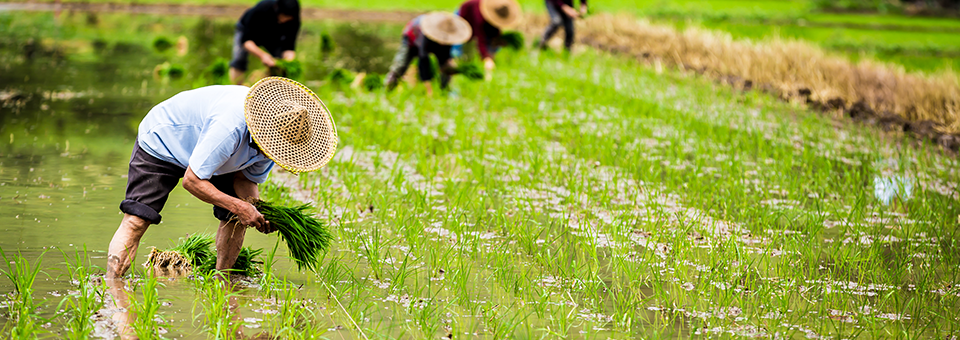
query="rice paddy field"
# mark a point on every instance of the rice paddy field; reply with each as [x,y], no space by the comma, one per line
[571,196]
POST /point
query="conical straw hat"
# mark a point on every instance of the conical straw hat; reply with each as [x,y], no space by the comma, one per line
[445,28]
[502,14]
[290,124]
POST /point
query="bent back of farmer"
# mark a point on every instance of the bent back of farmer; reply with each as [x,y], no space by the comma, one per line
[272,25]
[432,33]
[212,138]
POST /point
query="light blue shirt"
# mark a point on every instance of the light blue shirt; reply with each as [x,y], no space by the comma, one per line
[205,130]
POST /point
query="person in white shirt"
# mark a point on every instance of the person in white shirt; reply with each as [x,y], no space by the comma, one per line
[222,141]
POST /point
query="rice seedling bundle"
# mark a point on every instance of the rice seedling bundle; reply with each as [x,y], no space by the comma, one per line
[196,253]
[292,69]
[372,82]
[305,236]
[326,43]
[512,40]
[471,70]
[162,44]
[247,263]
[341,77]
[191,252]
[218,73]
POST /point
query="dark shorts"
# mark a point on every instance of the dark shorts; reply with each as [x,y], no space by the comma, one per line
[150,180]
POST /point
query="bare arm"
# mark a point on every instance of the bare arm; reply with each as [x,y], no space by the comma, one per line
[246,190]
[265,57]
[207,192]
[289,55]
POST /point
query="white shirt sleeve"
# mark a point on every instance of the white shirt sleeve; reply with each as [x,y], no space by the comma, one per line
[258,172]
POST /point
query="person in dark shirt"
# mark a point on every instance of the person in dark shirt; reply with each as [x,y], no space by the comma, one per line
[562,13]
[487,18]
[432,33]
[271,24]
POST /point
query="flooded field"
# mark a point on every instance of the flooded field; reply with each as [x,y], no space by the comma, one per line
[582,197]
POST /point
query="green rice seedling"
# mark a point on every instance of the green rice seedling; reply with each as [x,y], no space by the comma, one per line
[217,303]
[246,264]
[268,281]
[79,308]
[148,320]
[22,307]
[470,70]
[306,237]
[373,81]
[162,44]
[292,69]
[512,40]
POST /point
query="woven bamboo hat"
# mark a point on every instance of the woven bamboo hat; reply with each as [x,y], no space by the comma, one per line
[445,28]
[291,124]
[502,14]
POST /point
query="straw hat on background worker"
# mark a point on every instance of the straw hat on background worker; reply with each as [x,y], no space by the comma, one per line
[290,124]
[445,28]
[502,14]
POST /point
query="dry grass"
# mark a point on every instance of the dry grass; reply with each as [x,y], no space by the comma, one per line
[791,69]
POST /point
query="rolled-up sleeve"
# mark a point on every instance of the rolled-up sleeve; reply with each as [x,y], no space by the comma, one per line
[213,149]
[258,172]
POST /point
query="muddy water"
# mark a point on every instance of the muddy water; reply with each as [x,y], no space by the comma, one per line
[73,88]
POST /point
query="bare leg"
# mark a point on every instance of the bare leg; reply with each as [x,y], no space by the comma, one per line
[236,76]
[229,240]
[123,246]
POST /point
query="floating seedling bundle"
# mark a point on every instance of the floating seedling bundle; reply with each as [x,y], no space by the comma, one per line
[195,253]
[191,252]
[305,236]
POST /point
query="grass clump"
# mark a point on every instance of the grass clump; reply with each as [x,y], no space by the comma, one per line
[305,236]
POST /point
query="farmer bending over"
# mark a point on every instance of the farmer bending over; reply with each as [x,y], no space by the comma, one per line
[487,18]
[432,33]
[272,24]
[223,141]
[562,13]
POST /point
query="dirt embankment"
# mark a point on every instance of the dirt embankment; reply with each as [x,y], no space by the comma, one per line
[927,107]
[397,17]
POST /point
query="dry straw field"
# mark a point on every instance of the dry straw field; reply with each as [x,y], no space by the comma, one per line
[928,105]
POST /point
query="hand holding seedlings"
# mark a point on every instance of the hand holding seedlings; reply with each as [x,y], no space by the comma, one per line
[248,215]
